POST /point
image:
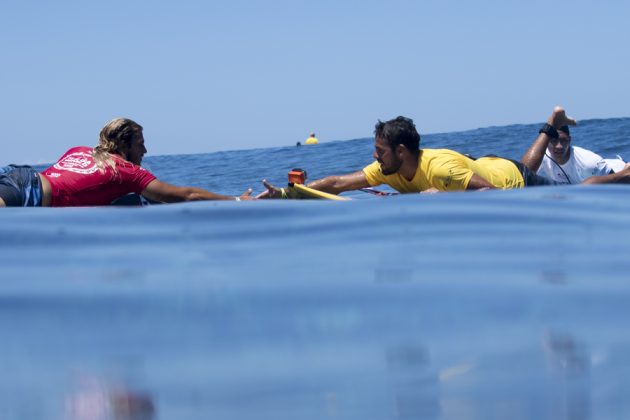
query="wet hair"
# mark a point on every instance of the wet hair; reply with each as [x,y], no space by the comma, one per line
[117,134]
[400,130]
[565,129]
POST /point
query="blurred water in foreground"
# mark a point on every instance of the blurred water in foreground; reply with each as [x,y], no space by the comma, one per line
[495,305]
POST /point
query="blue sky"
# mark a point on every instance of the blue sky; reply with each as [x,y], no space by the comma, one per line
[202,76]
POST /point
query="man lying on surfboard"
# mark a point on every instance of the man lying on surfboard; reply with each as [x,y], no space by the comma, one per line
[86,176]
[402,165]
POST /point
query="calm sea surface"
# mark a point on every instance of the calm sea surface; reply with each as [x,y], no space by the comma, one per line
[495,305]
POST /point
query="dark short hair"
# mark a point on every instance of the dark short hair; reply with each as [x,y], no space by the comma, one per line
[400,130]
[565,130]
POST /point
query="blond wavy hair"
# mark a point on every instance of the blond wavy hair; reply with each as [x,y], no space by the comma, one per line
[115,137]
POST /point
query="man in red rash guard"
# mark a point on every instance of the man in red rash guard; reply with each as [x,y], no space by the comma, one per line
[86,176]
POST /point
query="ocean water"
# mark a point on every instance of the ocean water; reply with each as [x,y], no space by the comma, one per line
[493,305]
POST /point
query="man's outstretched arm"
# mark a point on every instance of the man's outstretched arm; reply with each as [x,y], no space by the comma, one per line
[167,193]
[621,177]
[536,152]
[340,183]
[331,184]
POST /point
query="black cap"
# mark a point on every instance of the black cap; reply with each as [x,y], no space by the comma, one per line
[565,129]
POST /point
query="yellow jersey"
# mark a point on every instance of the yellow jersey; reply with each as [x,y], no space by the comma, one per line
[311,140]
[448,170]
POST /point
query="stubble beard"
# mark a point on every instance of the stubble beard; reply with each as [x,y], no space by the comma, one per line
[390,170]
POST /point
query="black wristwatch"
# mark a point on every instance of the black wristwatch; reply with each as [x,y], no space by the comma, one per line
[549,130]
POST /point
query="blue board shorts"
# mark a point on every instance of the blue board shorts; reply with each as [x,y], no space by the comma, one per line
[20,186]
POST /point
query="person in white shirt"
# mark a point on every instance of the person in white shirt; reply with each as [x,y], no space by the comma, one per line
[552,156]
[567,164]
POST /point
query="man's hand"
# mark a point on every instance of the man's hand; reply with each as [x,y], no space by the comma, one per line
[247,195]
[273,192]
[559,118]
[270,192]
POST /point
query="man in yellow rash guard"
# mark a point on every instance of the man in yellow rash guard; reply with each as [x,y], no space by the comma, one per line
[447,170]
[401,164]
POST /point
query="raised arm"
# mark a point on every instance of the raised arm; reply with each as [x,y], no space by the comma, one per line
[167,193]
[536,152]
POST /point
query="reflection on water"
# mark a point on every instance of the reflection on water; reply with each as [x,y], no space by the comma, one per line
[570,364]
[97,401]
[393,275]
[554,276]
[414,385]
[567,356]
